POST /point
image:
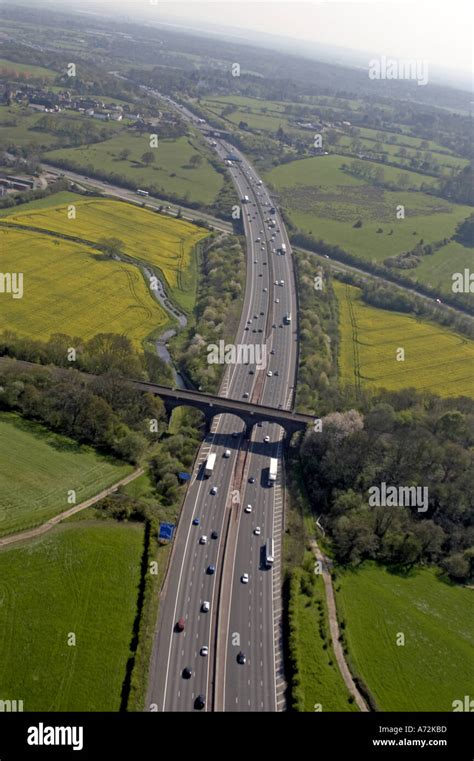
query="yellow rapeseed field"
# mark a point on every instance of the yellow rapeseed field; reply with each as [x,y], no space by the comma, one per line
[68,288]
[162,241]
[436,359]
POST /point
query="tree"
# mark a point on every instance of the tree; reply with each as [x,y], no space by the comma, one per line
[196,160]
[148,158]
[110,246]
[131,447]
[124,154]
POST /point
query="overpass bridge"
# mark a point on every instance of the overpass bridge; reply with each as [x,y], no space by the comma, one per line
[209,404]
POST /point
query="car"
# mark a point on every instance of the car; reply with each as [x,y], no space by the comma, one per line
[204,650]
[260,274]
[257,240]
[226,454]
[277,301]
[214,534]
[262,314]
[282,282]
[187,673]
[269,374]
[200,702]
[203,539]
[248,509]
[276,373]
[251,372]
[266,439]
[211,569]
[244,578]
[272,351]
[265,262]
[274,325]
[196,521]
[254,330]
[241,658]
[180,625]
[205,606]
[249,321]
[214,490]
[260,330]
[276,282]
[257,531]
[265,290]
[245,395]
[255,261]
[252,480]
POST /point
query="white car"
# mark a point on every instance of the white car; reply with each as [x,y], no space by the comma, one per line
[257,531]
[248,509]
[244,578]
[277,301]
[214,490]
[205,606]
[269,374]
[276,282]
[267,439]
[204,650]
[257,240]
[203,540]
[245,394]
[265,290]
[227,453]
[282,282]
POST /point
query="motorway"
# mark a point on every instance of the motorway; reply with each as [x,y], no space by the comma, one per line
[245,617]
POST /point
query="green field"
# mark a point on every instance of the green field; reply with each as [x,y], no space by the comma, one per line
[325,202]
[435,666]
[40,467]
[436,359]
[165,243]
[9,68]
[437,270]
[320,681]
[82,578]
[170,173]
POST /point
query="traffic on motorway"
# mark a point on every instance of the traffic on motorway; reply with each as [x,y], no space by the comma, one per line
[217,644]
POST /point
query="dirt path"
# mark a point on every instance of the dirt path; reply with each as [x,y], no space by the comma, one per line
[45,527]
[334,629]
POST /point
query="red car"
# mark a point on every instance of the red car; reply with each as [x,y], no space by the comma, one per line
[180,625]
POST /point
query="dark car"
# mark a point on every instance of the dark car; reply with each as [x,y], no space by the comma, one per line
[251,372]
[252,480]
[211,569]
[241,658]
[214,534]
[196,521]
[187,672]
[180,625]
[200,702]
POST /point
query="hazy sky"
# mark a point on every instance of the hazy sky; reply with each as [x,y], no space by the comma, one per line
[440,31]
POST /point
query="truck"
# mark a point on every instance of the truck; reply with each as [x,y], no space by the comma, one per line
[287,318]
[269,552]
[283,248]
[272,471]
[209,466]
[245,199]
[142,192]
